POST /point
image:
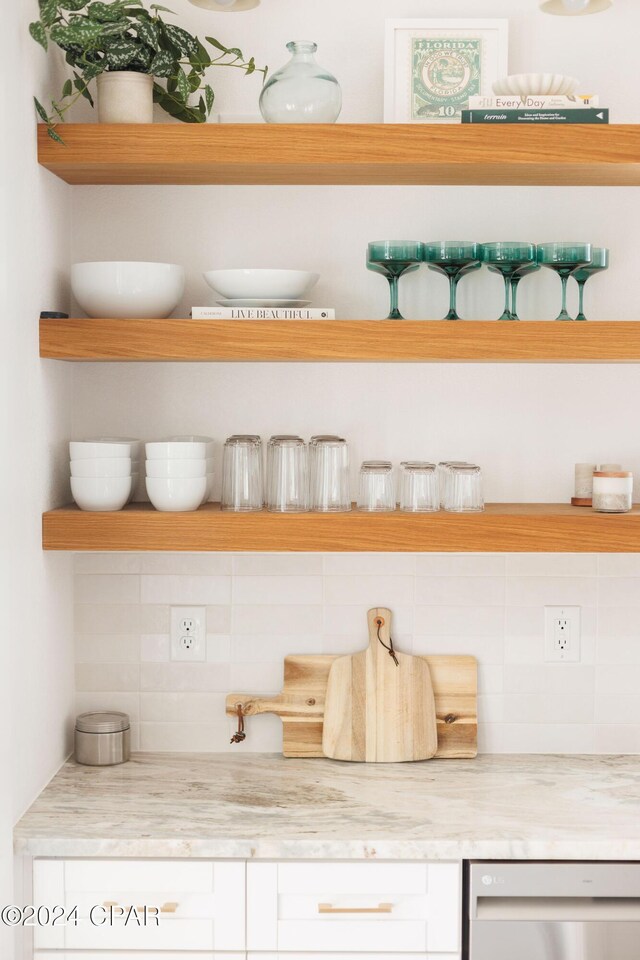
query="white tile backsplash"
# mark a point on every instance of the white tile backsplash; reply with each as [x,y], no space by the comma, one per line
[261,607]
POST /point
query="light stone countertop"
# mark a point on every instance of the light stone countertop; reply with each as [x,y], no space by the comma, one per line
[262,806]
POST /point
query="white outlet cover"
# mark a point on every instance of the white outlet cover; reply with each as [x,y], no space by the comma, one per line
[180,650]
[552,650]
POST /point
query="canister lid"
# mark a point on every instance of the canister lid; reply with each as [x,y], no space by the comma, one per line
[104,721]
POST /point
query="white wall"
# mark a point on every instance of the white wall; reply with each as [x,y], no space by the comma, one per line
[526,425]
[36,639]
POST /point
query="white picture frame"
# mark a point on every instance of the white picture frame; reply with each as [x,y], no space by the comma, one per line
[415,62]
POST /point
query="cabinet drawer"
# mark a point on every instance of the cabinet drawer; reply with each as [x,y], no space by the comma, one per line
[201,904]
[354,907]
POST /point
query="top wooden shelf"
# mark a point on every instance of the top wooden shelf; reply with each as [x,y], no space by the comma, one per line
[571,155]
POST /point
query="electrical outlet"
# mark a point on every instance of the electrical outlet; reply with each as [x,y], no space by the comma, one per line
[562,634]
[188,634]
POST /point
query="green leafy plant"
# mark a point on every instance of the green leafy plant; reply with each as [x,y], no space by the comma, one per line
[124,35]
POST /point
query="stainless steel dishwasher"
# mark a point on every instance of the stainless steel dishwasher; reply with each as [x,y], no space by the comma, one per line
[553,911]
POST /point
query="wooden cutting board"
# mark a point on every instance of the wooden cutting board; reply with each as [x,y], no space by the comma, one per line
[301,705]
[379,705]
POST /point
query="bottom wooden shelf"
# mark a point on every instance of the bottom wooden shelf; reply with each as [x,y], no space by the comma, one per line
[502,528]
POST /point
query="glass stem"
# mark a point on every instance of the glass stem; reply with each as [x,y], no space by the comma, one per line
[581,285]
[395,312]
[565,280]
[453,286]
[507,298]
[514,294]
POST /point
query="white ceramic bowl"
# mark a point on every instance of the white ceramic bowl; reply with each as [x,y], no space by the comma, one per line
[261,284]
[536,84]
[128,289]
[104,494]
[102,467]
[134,445]
[182,469]
[98,450]
[176,450]
[195,439]
[209,488]
[172,495]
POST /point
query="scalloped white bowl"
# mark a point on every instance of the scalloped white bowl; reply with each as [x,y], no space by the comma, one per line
[536,84]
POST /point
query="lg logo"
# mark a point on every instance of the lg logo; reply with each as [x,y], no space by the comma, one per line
[488,880]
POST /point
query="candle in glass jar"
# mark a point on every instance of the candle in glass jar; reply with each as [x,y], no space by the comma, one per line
[612,491]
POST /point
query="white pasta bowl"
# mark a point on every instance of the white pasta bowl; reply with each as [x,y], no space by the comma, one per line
[102,467]
[128,289]
[173,495]
[181,469]
[261,284]
[101,494]
[536,84]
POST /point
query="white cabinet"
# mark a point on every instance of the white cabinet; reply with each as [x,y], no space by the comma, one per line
[341,908]
[201,905]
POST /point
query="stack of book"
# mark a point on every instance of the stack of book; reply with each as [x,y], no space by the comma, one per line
[262,313]
[535,109]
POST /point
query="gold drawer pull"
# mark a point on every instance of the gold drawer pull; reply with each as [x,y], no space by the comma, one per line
[170,907]
[107,904]
[381,908]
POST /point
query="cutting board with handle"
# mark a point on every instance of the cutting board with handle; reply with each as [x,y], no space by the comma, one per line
[379,704]
[301,704]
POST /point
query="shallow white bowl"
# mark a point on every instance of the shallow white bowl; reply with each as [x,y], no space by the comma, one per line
[182,469]
[176,450]
[98,450]
[128,289]
[536,84]
[176,496]
[104,494]
[261,284]
[102,467]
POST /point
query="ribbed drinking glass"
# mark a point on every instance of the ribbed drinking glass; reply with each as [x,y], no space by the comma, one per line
[455,259]
[242,489]
[392,259]
[418,487]
[565,259]
[329,468]
[464,490]
[376,489]
[287,475]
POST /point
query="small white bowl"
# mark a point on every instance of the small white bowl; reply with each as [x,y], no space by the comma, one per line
[181,469]
[134,445]
[134,486]
[128,289]
[536,84]
[209,489]
[195,439]
[261,284]
[173,495]
[98,450]
[176,450]
[101,494]
[102,467]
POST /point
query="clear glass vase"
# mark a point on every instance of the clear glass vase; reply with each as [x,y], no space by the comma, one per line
[302,91]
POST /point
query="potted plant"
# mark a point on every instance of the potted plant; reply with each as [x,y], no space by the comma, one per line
[135,57]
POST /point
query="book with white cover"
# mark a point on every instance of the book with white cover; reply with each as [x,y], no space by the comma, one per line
[514,102]
[262,313]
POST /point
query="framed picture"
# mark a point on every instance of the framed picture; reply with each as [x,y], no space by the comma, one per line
[432,67]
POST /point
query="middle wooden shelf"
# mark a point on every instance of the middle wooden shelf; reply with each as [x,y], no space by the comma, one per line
[427,341]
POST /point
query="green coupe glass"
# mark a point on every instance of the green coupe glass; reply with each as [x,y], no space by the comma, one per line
[599,262]
[507,258]
[515,280]
[392,259]
[565,259]
[455,259]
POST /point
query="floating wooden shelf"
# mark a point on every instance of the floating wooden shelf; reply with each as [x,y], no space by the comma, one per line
[340,340]
[516,528]
[573,155]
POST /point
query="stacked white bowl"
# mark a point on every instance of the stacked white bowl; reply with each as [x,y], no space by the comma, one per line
[103,472]
[179,473]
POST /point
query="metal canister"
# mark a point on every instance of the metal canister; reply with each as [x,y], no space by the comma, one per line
[102,738]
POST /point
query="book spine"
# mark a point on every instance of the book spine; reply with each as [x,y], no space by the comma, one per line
[260,313]
[536,116]
[532,103]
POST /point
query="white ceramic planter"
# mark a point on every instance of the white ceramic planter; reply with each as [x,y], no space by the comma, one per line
[125,97]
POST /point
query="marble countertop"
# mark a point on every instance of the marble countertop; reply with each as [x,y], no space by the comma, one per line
[263,806]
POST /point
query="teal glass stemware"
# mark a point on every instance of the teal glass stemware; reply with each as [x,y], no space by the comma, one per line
[515,280]
[565,259]
[599,262]
[507,258]
[455,259]
[392,259]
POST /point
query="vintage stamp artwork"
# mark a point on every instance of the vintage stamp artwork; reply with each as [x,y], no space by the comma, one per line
[445,73]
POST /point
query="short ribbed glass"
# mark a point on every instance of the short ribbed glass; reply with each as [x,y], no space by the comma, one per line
[287,475]
[329,469]
[242,490]
[376,489]
[418,487]
[444,475]
[464,490]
